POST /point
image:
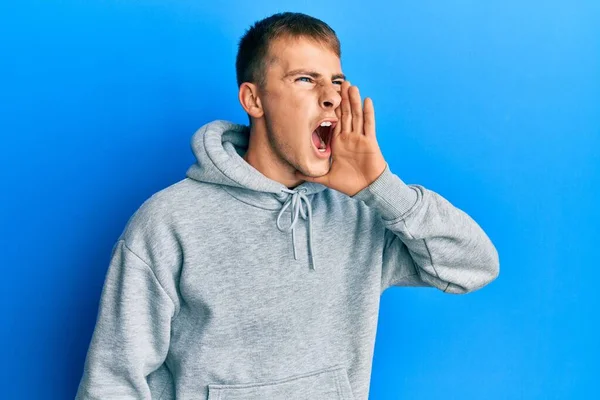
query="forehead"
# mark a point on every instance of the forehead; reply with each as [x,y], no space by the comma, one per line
[287,54]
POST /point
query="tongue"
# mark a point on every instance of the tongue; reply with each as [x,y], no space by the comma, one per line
[316,140]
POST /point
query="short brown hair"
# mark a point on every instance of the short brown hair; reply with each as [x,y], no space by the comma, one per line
[251,61]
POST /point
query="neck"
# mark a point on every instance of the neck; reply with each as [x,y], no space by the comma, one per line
[262,157]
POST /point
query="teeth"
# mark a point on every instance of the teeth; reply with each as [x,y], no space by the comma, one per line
[326,123]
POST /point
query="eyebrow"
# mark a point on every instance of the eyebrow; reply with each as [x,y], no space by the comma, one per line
[313,74]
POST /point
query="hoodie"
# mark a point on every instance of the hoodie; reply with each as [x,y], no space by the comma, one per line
[227,285]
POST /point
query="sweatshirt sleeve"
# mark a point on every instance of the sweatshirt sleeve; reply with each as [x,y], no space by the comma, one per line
[428,241]
[132,332]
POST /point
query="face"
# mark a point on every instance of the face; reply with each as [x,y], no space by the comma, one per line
[302,89]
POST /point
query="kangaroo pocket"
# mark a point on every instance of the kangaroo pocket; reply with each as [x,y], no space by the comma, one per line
[325,384]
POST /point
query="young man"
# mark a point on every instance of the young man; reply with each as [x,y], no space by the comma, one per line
[259,275]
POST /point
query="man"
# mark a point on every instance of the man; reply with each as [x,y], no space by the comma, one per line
[205,299]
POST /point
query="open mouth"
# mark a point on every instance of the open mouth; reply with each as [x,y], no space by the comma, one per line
[321,136]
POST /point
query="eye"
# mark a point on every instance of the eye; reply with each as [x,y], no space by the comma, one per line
[305,77]
[338,82]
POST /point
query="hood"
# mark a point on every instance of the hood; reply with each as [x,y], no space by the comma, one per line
[219,147]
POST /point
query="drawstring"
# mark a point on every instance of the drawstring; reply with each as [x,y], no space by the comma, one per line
[296,198]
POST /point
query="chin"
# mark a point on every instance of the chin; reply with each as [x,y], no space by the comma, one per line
[318,168]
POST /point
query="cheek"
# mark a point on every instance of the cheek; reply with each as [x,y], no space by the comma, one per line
[297,98]
[291,113]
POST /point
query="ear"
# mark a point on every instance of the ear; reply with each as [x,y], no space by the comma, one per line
[248,97]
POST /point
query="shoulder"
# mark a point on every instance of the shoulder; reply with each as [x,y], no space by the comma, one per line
[168,205]
[158,223]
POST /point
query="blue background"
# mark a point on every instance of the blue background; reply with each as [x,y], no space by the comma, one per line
[495,105]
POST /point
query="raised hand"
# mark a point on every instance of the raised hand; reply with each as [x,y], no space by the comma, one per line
[356,158]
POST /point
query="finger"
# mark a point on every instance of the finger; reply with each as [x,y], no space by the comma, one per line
[346,109]
[369,116]
[338,126]
[357,111]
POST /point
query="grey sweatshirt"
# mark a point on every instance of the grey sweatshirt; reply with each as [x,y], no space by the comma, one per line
[227,285]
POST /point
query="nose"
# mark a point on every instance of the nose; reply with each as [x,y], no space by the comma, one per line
[330,97]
